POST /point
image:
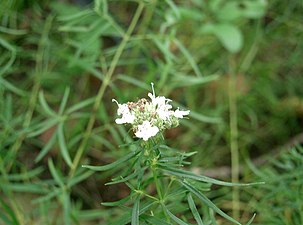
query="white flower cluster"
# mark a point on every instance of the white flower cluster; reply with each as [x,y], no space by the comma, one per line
[148,118]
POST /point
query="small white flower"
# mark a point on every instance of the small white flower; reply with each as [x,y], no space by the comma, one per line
[127,116]
[161,105]
[145,130]
[180,113]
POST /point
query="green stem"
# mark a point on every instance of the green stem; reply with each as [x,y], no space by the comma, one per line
[159,192]
[233,114]
[40,69]
[149,12]
[103,87]
[158,187]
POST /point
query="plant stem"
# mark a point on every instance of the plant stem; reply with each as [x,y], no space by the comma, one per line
[159,191]
[233,122]
[40,70]
[158,187]
[103,87]
[149,12]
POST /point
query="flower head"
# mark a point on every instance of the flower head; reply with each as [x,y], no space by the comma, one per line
[148,118]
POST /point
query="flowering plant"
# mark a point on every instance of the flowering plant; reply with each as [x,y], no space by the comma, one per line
[148,118]
[155,174]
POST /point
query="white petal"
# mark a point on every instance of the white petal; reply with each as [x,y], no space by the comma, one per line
[145,131]
[179,113]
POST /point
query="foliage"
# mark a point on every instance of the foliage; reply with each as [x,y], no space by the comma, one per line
[62,63]
[283,189]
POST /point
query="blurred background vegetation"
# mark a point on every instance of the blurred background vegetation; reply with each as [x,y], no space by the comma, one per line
[236,64]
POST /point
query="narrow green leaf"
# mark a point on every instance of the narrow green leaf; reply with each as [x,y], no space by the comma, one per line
[79,178]
[54,173]
[190,175]
[132,175]
[173,6]
[10,212]
[251,220]
[10,62]
[174,218]
[12,31]
[207,202]
[212,217]
[26,188]
[43,126]
[189,57]
[12,88]
[45,106]
[118,203]
[80,105]
[154,220]
[114,164]
[203,118]
[62,145]
[66,208]
[126,218]
[136,211]
[64,100]
[46,148]
[193,209]
[26,175]
[49,196]
[180,80]
[133,81]
[74,16]
[5,219]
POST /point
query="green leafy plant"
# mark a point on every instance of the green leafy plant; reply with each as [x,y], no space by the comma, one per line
[152,165]
[62,62]
[283,189]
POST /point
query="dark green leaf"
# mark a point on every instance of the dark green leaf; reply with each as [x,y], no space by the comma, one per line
[117,203]
[207,202]
[64,100]
[193,209]
[54,173]
[135,211]
[45,106]
[114,164]
[62,145]
[190,175]
[174,218]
